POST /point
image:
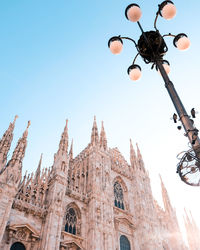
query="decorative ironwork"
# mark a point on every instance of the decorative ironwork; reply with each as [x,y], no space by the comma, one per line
[118,193]
[189,168]
[152,46]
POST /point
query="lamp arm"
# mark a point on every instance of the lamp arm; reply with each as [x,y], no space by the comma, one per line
[136,58]
[169,35]
[130,39]
[155,21]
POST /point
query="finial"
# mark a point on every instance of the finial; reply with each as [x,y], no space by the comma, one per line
[102,128]
[26,131]
[29,123]
[40,162]
[15,119]
[25,173]
[95,118]
[66,127]
[131,144]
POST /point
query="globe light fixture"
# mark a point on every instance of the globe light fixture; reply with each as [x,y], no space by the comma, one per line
[167,10]
[181,41]
[133,12]
[134,72]
[152,48]
[115,44]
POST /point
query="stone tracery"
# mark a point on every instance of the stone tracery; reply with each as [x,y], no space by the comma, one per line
[72,219]
[119,197]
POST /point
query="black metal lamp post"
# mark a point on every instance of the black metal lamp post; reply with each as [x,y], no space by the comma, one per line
[151,47]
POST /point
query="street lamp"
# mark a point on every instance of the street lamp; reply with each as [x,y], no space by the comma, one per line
[151,47]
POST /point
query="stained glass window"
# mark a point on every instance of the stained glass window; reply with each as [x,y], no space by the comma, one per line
[71,221]
[118,193]
[124,243]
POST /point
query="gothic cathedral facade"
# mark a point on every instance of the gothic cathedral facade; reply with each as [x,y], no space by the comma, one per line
[94,201]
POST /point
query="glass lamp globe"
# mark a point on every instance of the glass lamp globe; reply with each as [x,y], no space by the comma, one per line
[134,72]
[181,41]
[168,10]
[115,45]
[133,12]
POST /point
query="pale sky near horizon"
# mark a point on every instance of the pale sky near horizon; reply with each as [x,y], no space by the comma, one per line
[55,64]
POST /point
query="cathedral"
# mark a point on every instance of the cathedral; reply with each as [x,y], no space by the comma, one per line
[94,201]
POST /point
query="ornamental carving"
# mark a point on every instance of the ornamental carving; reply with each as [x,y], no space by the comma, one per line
[22,233]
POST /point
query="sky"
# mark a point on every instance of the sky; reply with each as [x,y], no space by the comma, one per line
[55,65]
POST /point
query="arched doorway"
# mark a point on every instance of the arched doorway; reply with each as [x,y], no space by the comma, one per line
[17,246]
[124,243]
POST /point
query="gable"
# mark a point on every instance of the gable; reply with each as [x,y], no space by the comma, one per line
[27,227]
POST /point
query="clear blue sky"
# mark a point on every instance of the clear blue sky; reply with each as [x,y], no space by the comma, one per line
[55,64]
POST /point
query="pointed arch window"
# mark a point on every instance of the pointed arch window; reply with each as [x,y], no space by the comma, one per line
[17,246]
[119,197]
[124,243]
[71,221]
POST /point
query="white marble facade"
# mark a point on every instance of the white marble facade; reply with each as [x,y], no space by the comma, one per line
[94,201]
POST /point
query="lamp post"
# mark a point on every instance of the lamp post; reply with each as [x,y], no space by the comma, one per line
[151,47]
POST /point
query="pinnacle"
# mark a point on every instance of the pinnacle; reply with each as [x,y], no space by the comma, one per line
[71,151]
[14,166]
[25,134]
[103,140]
[63,146]
[15,119]
[5,143]
[19,151]
[132,155]
[38,171]
[94,135]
